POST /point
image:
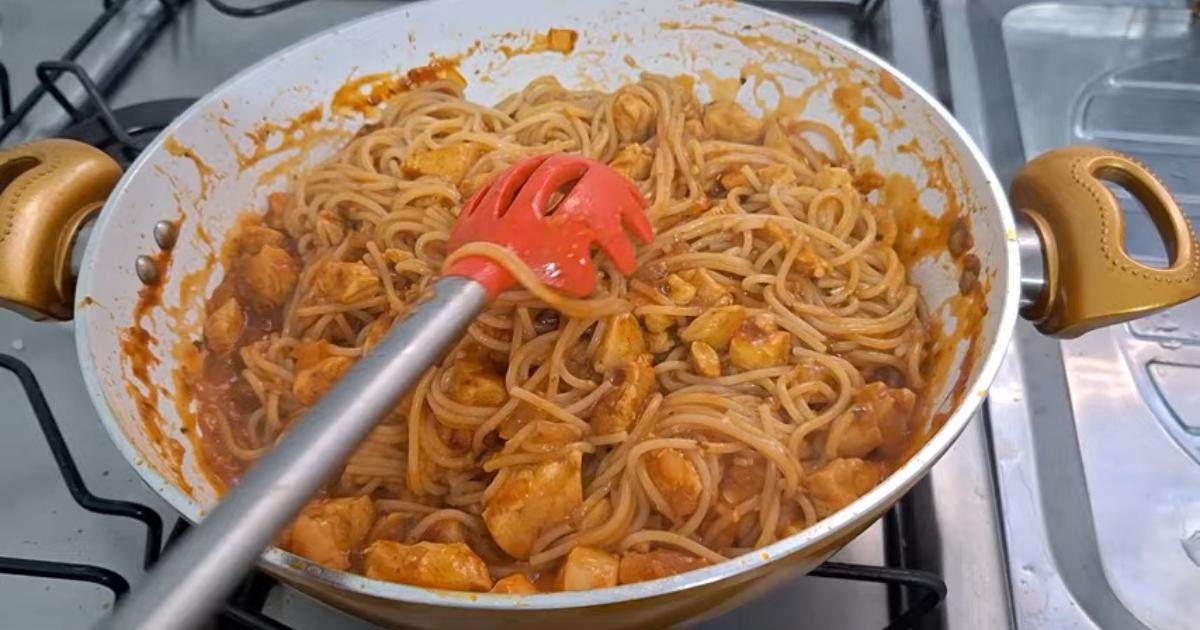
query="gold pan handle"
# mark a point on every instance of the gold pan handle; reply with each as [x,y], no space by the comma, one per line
[1089,279]
[48,190]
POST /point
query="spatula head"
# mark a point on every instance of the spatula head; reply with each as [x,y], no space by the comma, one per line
[550,210]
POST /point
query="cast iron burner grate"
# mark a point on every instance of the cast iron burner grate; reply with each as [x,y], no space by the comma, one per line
[123,133]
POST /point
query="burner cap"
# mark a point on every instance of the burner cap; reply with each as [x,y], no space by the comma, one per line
[143,121]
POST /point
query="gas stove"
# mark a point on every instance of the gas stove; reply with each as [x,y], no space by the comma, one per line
[1073,500]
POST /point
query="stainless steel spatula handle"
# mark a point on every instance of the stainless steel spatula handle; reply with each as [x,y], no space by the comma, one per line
[195,575]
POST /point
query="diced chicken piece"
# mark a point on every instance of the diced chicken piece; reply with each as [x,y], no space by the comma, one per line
[446,530]
[376,330]
[269,277]
[859,438]
[451,162]
[634,161]
[715,326]
[326,532]
[251,238]
[658,563]
[776,231]
[657,323]
[394,526]
[617,409]
[224,326]
[622,341]
[561,40]
[330,227]
[741,481]
[709,292]
[450,566]
[832,177]
[312,383]
[633,117]
[758,343]
[587,568]
[704,360]
[277,205]
[840,482]
[726,120]
[515,584]
[767,175]
[881,416]
[676,478]
[532,498]
[347,282]
[678,290]
[659,342]
[549,435]
[308,353]
[473,380]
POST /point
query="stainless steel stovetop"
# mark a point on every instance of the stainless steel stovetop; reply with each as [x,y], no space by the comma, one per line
[1070,503]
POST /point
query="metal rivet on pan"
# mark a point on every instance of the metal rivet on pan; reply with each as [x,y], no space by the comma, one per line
[147,269]
[165,233]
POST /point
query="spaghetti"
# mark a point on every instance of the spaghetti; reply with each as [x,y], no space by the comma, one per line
[757,373]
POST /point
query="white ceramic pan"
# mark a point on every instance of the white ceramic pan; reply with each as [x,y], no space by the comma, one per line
[1059,261]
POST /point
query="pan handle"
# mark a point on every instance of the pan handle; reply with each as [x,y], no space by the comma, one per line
[49,190]
[1089,280]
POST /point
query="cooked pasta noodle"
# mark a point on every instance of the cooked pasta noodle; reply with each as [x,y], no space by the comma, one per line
[757,373]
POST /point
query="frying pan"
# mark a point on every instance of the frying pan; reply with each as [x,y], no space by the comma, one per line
[1050,250]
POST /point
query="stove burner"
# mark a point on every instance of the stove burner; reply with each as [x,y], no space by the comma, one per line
[142,122]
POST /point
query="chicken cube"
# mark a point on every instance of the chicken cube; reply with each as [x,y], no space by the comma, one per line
[452,566]
[277,205]
[587,568]
[530,499]
[515,584]
[858,438]
[307,353]
[657,323]
[742,481]
[758,343]
[268,277]
[617,409]
[678,290]
[326,532]
[715,326]
[473,380]
[224,326]
[658,563]
[393,526]
[659,342]
[841,481]
[832,177]
[881,417]
[376,331]
[347,282]
[677,479]
[251,238]
[446,530]
[726,120]
[633,117]
[622,341]
[634,161]
[312,383]
[709,292]
[450,162]
[704,360]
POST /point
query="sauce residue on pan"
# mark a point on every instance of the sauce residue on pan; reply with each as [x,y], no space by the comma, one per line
[205,172]
[559,40]
[363,95]
[138,357]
